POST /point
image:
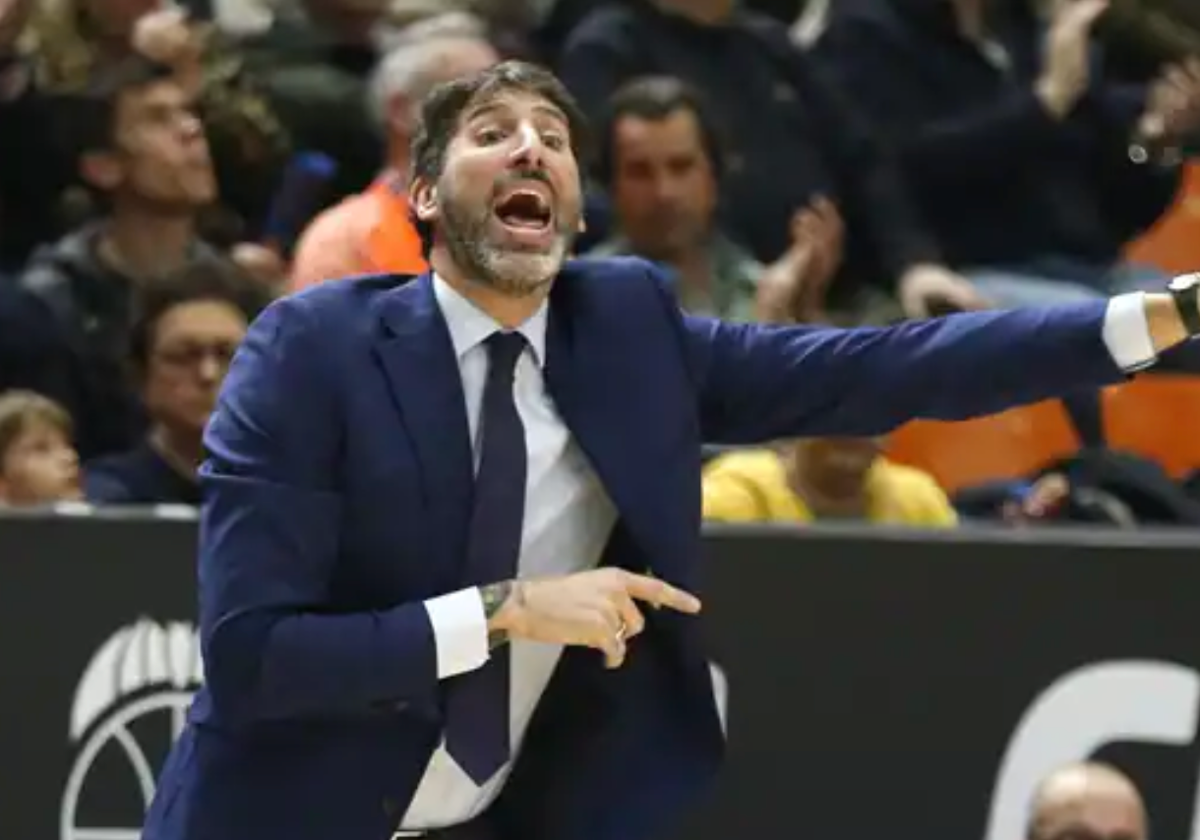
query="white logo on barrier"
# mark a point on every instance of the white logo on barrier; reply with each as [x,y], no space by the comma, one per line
[1083,711]
[144,675]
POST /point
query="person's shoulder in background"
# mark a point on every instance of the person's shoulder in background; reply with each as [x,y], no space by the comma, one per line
[909,496]
[370,232]
[605,18]
[139,476]
[334,245]
[749,486]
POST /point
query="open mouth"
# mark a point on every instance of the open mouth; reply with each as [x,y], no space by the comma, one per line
[524,209]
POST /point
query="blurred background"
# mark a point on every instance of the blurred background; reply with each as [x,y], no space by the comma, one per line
[167,169]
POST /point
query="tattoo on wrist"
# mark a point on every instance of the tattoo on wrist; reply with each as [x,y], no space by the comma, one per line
[495,596]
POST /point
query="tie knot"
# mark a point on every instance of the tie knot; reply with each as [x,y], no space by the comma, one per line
[504,348]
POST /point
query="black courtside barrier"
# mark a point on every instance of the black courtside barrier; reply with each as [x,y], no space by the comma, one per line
[882,684]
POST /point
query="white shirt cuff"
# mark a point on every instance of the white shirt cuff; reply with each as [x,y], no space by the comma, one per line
[1127,332]
[459,632]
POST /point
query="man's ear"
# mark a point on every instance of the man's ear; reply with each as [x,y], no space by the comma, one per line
[101,170]
[422,196]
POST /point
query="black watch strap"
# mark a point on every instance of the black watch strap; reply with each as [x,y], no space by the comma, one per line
[1185,290]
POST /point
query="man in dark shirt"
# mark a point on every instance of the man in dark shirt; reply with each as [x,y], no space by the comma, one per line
[187,329]
[1032,166]
[791,139]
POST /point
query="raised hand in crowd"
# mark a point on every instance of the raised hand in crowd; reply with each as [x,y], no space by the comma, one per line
[1172,106]
[793,288]
[170,38]
[262,263]
[1044,499]
[1066,62]
[928,289]
[13,14]
[596,609]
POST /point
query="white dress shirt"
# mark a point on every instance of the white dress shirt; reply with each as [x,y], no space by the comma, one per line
[568,519]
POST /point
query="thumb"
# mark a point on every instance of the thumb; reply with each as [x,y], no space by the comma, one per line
[1083,14]
[915,304]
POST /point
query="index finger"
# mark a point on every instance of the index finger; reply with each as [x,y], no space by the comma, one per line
[660,594]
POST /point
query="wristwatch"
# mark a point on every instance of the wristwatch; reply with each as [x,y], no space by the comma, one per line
[1143,153]
[1185,289]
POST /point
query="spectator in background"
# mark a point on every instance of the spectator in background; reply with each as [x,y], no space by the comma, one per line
[144,154]
[314,62]
[792,140]
[1094,486]
[836,479]
[803,481]
[33,173]
[371,232]
[38,464]
[661,161]
[262,263]
[69,42]
[1087,800]
[186,331]
[1032,167]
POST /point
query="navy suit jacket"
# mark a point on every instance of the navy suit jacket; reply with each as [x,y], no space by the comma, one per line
[338,489]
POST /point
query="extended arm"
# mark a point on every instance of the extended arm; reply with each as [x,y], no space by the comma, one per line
[269,544]
[761,383]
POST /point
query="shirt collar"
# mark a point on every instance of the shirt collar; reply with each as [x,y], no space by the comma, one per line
[470,326]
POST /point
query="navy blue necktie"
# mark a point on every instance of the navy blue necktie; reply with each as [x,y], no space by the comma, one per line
[477,703]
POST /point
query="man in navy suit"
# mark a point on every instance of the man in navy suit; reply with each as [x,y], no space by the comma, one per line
[451,525]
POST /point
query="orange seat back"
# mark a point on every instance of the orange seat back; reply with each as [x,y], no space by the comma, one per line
[1173,244]
[1010,444]
[1154,416]
[1157,417]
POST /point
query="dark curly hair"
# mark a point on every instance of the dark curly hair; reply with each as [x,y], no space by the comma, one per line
[444,106]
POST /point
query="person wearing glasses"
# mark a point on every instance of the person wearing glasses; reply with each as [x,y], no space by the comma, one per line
[184,334]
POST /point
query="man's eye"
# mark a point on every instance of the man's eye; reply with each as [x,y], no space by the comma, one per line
[555,141]
[490,135]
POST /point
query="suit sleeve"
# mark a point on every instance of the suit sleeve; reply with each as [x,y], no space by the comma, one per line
[758,383]
[269,541]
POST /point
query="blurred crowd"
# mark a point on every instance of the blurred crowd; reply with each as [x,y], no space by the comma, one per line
[168,168]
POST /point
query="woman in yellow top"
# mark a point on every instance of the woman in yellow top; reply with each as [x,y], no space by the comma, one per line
[822,479]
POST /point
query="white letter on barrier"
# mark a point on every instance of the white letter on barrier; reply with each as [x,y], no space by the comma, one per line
[1154,702]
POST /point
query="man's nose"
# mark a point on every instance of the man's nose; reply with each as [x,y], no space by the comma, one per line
[667,190]
[210,370]
[191,127]
[529,148]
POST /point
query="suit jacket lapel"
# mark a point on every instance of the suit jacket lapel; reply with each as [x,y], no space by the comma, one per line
[617,436]
[418,359]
